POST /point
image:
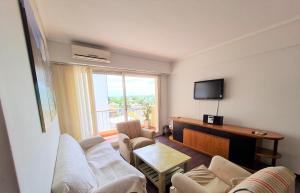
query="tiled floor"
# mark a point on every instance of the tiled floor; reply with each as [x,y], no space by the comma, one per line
[197,159]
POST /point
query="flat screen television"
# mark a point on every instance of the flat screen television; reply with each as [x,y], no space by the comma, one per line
[209,89]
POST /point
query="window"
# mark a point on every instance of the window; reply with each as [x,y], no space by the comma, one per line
[122,97]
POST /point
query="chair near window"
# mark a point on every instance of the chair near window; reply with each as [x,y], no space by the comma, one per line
[131,137]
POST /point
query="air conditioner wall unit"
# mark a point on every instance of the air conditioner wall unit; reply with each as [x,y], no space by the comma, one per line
[90,54]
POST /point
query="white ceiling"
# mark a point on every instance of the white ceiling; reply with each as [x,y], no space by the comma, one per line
[167,28]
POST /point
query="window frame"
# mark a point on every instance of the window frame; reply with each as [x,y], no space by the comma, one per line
[134,74]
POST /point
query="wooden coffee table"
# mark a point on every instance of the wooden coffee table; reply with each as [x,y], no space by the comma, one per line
[159,162]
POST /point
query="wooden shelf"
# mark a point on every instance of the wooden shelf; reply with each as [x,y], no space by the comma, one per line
[243,131]
[266,153]
[226,140]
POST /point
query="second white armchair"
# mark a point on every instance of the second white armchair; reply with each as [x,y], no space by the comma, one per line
[223,176]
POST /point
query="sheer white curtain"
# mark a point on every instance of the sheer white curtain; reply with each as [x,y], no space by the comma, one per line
[75,100]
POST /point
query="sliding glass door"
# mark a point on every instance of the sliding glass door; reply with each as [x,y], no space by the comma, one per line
[109,100]
[141,99]
[121,97]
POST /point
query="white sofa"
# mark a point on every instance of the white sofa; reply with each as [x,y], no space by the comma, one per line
[93,166]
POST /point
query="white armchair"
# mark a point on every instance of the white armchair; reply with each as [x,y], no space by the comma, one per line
[223,176]
[131,137]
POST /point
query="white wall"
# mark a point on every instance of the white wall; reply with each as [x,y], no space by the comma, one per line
[163,111]
[34,152]
[8,179]
[61,52]
[262,85]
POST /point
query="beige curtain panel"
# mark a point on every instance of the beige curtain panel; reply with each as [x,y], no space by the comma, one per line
[75,100]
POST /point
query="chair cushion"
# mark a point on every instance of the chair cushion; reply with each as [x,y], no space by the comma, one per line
[72,172]
[131,128]
[208,180]
[139,142]
[269,180]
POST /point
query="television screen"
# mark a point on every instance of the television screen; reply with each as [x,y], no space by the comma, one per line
[209,89]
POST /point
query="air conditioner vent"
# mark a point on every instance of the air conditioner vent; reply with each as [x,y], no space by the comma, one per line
[90,54]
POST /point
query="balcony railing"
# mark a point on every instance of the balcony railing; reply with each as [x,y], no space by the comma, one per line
[107,119]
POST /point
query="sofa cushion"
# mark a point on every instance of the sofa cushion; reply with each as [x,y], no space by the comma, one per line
[90,142]
[72,172]
[109,166]
[208,179]
[139,142]
[269,180]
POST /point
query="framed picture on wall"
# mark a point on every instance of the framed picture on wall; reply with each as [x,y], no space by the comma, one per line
[40,66]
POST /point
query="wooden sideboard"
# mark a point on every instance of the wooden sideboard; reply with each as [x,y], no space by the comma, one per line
[206,143]
[238,144]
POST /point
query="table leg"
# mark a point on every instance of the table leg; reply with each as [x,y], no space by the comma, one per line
[136,161]
[275,147]
[161,183]
[185,167]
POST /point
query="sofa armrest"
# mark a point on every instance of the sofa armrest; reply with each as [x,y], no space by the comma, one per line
[129,183]
[147,133]
[185,184]
[226,170]
[123,138]
[125,147]
[292,187]
[90,142]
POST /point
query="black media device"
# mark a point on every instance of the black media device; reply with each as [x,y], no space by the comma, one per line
[213,119]
[209,89]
